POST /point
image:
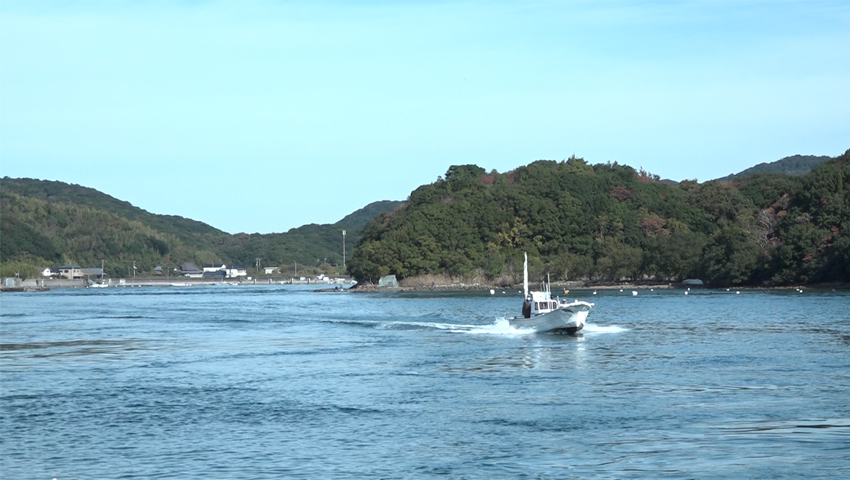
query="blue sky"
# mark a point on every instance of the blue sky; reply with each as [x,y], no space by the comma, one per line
[260,117]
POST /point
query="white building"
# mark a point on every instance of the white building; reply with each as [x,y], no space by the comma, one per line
[236,271]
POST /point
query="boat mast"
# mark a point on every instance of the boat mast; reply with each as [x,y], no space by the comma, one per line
[525,277]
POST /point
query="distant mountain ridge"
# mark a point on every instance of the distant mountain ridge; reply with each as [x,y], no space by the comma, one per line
[795,165]
[359,219]
[60,192]
[602,223]
[47,222]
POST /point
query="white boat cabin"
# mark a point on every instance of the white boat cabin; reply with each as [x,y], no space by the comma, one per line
[542,302]
[537,302]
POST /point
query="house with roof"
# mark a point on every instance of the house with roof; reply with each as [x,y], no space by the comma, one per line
[189,269]
[158,271]
[50,272]
[92,272]
[271,270]
[215,275]
[70,271]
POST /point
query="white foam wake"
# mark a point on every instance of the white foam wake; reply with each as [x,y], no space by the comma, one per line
[592,328]
[501,327]
[426,325]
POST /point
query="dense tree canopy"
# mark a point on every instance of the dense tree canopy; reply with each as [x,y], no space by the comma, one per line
[609,222]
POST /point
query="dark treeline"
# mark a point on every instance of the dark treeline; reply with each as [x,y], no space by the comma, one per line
[46,223]
[609,222]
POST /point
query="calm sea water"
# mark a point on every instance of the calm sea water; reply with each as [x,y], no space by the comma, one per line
[281,382]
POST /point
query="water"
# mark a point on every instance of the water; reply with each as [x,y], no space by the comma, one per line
[281,382]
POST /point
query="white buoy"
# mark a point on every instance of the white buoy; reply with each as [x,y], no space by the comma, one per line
[503,292]
[737,292]
[621,290]
[651,289]
[686,292]
[634,293]
[492,292]
[594,292]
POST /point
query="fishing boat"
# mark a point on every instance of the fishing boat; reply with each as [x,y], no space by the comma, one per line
[103,283]
[543,313]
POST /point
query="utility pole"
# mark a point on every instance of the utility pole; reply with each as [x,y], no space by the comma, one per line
[134,269]
[343,249]
[258,266]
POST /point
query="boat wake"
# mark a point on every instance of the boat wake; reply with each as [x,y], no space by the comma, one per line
[501,327]
[402,325]
[592,328]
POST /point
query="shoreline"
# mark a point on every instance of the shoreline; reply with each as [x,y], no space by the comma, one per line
[322,287]
[558,287]
[47,284]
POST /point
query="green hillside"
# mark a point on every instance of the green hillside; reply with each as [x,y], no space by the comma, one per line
[794,165]
[310,245]
[360,218]
[601,223]
[608,222]
[39,233]
[45,223]
[65,193]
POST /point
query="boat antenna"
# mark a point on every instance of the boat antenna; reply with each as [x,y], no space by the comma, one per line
[525,276]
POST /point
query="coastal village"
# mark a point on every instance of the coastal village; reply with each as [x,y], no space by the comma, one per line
[186,274]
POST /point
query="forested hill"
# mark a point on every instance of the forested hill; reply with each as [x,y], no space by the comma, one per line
[45,223]
[608,222]
[362,217]
[197,233]
[793,165]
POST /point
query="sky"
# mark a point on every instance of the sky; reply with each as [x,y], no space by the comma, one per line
[264,116]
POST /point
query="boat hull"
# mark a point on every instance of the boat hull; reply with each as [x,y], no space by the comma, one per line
[568,319]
